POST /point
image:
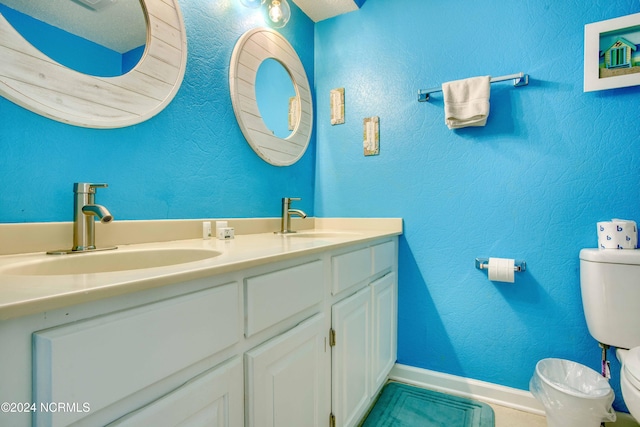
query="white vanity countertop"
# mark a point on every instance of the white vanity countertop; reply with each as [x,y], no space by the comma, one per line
[22,295]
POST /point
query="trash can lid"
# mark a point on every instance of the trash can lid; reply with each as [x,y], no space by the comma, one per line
[632,362]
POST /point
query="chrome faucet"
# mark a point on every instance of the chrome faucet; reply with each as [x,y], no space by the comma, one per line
[85,210]
[287,212]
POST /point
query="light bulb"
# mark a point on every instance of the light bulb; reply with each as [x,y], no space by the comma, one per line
[278,13]
[275,13]
[253,4]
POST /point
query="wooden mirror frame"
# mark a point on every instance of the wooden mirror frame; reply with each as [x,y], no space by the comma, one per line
[252,48]
[34,81]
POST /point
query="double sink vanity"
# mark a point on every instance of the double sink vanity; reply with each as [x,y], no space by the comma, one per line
[279,330]
[260,330]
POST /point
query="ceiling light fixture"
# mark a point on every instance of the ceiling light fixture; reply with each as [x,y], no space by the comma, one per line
[277,13]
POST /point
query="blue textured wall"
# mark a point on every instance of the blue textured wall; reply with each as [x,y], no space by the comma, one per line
[531,185]
[189,161]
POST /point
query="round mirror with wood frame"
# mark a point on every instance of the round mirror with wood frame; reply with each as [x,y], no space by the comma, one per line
[34,81]
[252,48]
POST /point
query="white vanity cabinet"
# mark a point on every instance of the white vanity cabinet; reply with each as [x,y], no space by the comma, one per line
[251,347]
[287,378]
[363,331]
[287,371]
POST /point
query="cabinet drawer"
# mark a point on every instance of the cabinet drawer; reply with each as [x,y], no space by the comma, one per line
[383,256]
[100,360]
[350,269]
[273,297]
[213,399]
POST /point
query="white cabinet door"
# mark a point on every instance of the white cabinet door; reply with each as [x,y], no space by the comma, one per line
[213,399]
[287,378]
[384,329]
[351,361]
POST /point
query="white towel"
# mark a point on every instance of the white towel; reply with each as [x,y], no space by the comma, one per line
[466,102]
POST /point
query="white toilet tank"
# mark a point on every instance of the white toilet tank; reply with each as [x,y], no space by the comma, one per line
[610,285]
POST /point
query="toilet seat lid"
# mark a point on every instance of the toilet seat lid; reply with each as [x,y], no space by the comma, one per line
[632,363]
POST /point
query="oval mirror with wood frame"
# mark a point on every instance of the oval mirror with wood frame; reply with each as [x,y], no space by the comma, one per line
[38,83]
[254,47]
[97,37]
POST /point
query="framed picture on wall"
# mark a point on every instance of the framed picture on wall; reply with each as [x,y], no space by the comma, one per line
[612,53]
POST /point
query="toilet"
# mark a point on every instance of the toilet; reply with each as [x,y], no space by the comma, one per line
[610,286]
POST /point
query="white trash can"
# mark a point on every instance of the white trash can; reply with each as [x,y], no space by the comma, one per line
[572,394]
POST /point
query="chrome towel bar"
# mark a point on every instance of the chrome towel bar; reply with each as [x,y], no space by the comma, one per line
[519,79]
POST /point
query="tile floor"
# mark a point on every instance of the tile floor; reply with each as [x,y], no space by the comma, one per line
[507,417]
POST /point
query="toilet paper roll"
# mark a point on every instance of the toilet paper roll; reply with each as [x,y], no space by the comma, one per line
[502,270]
[617,234]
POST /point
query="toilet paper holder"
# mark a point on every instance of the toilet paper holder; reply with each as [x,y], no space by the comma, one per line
[483,264]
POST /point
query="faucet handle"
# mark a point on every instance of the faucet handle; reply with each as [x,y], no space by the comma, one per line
[286,202]
[87,187]
[93,187]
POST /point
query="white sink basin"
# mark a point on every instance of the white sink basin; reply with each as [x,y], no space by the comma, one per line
[322,234]
[108,261]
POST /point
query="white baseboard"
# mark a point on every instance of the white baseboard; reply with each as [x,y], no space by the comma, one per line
[465,387]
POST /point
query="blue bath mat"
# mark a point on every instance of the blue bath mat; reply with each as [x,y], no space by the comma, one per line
[401,405]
